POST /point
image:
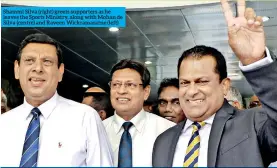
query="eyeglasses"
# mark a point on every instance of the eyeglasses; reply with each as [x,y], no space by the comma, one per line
[254,104]
[127,85]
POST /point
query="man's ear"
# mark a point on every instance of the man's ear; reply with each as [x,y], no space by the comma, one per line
[238,105]
[102,114]
[147,91]
[16,69]
[226,83]
[61,71]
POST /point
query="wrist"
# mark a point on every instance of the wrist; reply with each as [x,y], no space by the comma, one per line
[252,60]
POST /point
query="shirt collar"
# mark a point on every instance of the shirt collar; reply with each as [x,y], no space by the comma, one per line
[138,121]
[207,121]
[46,108]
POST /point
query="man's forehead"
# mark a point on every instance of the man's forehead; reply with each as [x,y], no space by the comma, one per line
[126,73]
[39,47]
[169,98]
[254,98]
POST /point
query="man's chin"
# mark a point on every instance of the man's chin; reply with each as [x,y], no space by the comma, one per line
[123,110]
[196,117]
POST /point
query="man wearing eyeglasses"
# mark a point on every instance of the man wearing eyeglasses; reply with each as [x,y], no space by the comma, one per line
[131,130]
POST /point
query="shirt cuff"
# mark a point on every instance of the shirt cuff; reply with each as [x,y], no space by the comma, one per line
[258,64]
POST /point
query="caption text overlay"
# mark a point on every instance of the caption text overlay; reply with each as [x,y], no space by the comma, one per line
[63,17]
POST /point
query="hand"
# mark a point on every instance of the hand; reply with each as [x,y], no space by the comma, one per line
[246,33]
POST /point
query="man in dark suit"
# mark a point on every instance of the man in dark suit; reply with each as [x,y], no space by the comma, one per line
[216,134]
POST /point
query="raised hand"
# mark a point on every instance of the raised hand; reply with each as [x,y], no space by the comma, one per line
[246,32]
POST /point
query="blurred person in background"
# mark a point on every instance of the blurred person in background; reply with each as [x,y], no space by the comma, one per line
[254,102]
[168,100]
[4,107]
[148,106]
[98,99]
[234,98]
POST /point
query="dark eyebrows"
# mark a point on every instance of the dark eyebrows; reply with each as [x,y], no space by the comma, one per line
[175,99]
[160,99]
[197,79]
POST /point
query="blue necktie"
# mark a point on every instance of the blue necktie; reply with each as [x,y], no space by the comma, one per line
[30,150]
[125,147]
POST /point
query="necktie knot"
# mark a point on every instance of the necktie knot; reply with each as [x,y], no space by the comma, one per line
[127,126]
[197,125]
[36,112]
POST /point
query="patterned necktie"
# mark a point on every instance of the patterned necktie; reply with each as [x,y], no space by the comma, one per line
[30,150]
[192,153]
[125,147]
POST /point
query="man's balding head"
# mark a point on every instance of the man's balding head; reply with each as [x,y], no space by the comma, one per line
[98,99]
[96,90]
[254,98]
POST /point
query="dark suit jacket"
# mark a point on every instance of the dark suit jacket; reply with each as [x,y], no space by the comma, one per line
[237,138]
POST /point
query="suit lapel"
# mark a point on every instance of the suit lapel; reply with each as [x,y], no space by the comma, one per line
[176,134]
[221,117]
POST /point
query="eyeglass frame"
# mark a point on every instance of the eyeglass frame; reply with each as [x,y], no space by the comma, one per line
[125,85]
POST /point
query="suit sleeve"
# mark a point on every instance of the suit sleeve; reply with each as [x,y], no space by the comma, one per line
[263,80]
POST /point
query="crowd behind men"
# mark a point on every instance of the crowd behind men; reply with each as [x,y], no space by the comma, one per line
[49,130]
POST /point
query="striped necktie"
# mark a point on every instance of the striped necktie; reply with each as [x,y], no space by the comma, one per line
[31,144]
[192,153]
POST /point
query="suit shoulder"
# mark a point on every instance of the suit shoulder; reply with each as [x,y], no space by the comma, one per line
[169,132]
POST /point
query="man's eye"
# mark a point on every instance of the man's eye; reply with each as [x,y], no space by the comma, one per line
[48,62]
[183,83]
[29,61]
[129,84]
[177,103]
[202,82]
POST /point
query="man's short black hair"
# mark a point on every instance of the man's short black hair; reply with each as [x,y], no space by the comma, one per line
[166,82]
[137,66]
[201,51]
[43,39]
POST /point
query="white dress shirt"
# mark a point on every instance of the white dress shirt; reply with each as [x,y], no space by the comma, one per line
[146,127]
[274,164]
[204,132]
[71,134]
